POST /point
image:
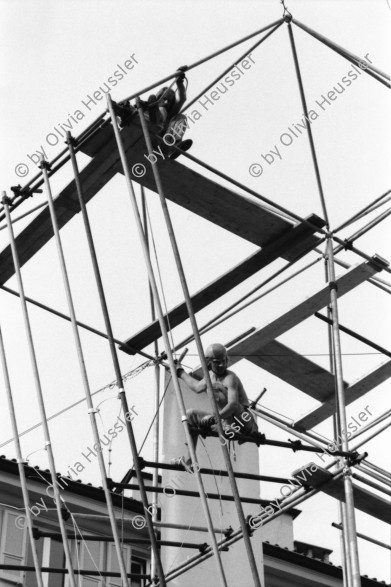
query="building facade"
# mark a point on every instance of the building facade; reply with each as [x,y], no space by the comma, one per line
[286,561]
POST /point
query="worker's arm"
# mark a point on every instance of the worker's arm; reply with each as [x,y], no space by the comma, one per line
[191,382]
[231,382]
[163,114]
[180,82]
[219,389]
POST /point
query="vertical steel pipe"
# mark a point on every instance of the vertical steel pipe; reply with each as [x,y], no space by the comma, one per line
[20,462]
[344,546]
[166,340]
[38,388]
[341,415]
[197,338]
[91,410]
[156,424]
[114,356]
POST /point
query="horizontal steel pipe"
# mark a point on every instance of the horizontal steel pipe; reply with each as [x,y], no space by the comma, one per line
[171,492]
[146,541]
[371,484]
[59,571]
[340,527]
[219,472]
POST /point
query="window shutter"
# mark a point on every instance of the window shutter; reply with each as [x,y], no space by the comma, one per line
[12,545]
[113,565]
[92,559]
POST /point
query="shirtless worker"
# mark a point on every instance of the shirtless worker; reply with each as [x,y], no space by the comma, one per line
[162,112]
[231,398]
[165,118]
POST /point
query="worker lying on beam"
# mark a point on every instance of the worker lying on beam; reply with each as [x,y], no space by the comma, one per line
[163,114]
[231,398]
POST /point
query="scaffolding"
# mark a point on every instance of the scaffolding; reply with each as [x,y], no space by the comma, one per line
[280,233]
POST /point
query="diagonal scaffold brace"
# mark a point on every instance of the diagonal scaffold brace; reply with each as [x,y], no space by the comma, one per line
[120,383]
[92,411]
[156,422]
[39,393]
[167,345]
[189,305]
[21,463]
[305,109]
[371,70]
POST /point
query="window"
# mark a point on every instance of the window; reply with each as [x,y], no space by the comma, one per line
[113,565]
[139,567]
[12,545]
[31,578]
[86,555]
[91,559]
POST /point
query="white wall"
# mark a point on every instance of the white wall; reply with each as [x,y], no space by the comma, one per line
[188,510]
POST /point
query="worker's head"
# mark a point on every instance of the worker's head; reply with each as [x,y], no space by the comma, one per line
[216,358]
[166,95]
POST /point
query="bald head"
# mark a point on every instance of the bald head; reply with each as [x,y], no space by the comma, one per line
[216,358]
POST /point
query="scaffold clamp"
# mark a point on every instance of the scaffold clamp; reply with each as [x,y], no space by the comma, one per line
[250,529]
[296,444]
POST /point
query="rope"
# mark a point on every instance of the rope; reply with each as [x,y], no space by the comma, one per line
[7,505]
[214,478]
[111,385]
[286,12]
[76,526]
[196,509]
[76,543]
[153,419]
[169,330]
[24,215]
[310,137]
[109,450]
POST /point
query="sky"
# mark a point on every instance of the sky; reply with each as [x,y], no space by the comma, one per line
[56,54]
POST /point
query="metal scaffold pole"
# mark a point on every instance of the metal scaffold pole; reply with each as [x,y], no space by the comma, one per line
[114,356]
[189,305]
[365,66]
[166,341]
[41,403]
[309,130]
[156,424]
[92,411]
[348,520]
[382,472]
[21,463]
[346,562]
